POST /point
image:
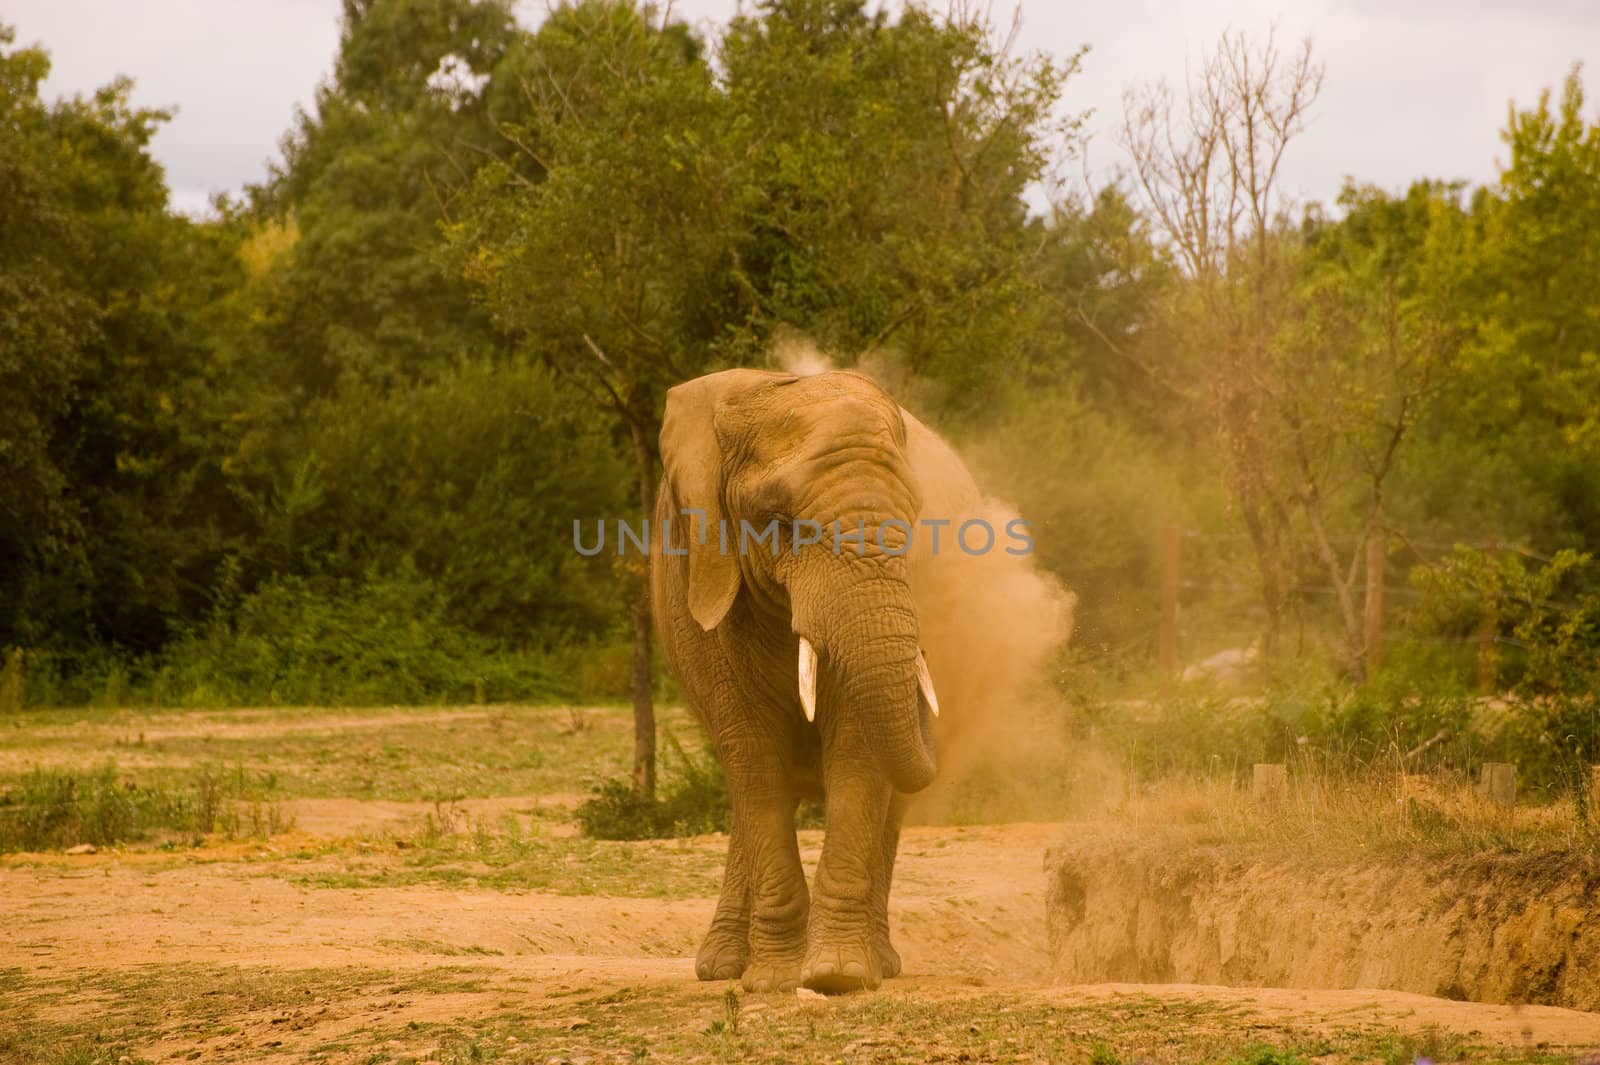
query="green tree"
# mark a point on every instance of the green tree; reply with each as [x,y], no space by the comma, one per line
[47,321]
[885,165]
[111,512]
[1515,446]
[600,264]
[1370,336]
[362,190]
[854,178]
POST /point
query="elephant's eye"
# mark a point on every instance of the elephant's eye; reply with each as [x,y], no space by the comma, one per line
[765,502]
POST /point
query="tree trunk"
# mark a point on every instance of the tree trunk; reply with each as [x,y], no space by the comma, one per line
[1265,539]
[1354,635]
[642,681]
[644,711]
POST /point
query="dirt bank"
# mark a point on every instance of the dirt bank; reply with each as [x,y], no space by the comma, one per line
[1522,929]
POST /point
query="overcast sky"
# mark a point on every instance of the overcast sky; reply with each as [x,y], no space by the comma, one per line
[1414,88]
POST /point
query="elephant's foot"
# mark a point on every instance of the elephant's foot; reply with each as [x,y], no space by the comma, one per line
[888,957]
[723,956]
[769,974]
[835,968]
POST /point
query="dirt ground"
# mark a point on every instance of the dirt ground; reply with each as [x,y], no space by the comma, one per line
[241,951]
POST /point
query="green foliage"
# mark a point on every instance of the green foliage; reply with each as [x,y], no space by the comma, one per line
[385,639]
[299,390]
[1102,1054]
[852,177]
[1549,613]
[883,167]
[48,322]
[602,263]
[102,447]
[1267,1055]
[1196,732]
[363,293]
[484,468]
[56,809]
[1545,623]
[1515,444]
[1375,331]
[692,800]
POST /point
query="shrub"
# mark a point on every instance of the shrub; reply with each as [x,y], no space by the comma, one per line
[692,799]
[384,640]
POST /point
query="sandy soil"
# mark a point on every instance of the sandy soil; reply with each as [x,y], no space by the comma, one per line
[955,888]
[969,915]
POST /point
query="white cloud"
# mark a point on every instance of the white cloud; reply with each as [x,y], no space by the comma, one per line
[234,69]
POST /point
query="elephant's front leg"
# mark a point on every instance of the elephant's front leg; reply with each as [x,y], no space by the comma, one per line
[883,875]
[841,955]
[725,952]
[763,818]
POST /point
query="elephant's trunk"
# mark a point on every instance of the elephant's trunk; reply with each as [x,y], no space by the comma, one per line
[868,671]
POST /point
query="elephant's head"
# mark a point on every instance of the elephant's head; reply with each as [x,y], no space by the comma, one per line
[750,448]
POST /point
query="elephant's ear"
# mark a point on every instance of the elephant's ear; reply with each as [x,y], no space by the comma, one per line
[692,459]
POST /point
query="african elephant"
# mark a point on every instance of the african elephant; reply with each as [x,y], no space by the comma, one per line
[805,660]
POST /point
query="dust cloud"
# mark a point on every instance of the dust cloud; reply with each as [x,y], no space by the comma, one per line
[993,624]
[796,354]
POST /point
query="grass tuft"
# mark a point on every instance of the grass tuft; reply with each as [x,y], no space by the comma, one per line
[54,809]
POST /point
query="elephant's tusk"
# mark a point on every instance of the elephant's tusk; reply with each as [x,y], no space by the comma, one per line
[925,682]
[808,679]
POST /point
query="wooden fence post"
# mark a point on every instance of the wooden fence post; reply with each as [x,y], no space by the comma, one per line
[1167,638]
[1374,616]
[1269,783]
[1497,783]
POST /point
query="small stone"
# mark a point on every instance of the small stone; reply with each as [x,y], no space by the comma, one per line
[83,848]
[810,997]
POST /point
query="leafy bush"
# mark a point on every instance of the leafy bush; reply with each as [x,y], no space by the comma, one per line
[1197,732]
[470,479]
[386,640]
[1548,615]
[691,800]
[1546,626]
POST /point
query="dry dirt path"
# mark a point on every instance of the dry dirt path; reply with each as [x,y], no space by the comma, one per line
[969,901]
[968,919]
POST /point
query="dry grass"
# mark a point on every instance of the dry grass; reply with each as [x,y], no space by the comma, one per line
[1332,811]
